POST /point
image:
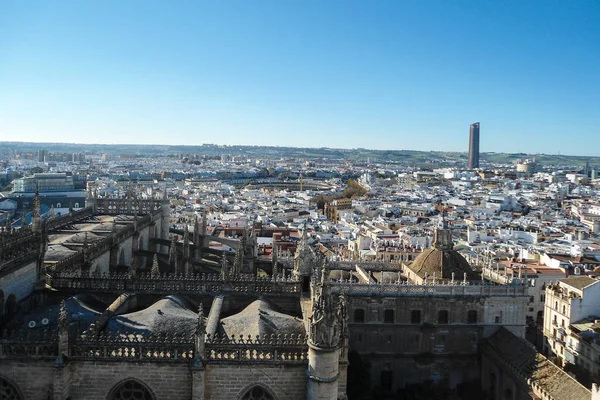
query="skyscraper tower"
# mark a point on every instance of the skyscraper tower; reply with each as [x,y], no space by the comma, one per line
[473,146]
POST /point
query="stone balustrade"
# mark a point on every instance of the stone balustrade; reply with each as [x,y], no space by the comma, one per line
[446,288]
[133,347]
[29,344]
[286,349]
[170,283]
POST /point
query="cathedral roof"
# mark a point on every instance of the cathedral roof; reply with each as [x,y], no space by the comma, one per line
[259,318]
[171,314]
[442,263]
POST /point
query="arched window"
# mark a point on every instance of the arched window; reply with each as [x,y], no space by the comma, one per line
[9,391]
[257,393]
[472,317]
[443,317]
[359,315]
[415,316]
[58,205]
[131,390]
[76,205]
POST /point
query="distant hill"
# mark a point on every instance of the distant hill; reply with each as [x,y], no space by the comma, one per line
[412,157]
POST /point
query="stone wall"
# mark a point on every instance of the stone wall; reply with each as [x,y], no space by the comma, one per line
[34,378]
[93,380]
[101,264]
[20,282]
[229,382]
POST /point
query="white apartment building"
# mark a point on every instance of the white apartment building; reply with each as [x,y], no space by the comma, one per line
[567,301]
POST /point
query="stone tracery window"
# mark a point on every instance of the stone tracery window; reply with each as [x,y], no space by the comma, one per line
[257,393]
[8,391]
[131,390]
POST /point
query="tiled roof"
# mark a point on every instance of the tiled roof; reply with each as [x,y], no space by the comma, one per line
[579,282]
[532,365]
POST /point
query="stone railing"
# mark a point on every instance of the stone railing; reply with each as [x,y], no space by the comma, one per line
[67,219]
[18,244]
[170,283]
[123,347]
[283,349]
[29,344]
[441,289]
[367,266]
[127,206]
[286,349]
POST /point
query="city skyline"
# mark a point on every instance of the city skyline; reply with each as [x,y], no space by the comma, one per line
[405,75]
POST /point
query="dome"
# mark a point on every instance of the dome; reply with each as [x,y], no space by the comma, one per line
[442,263]
[259,319]
[171,314]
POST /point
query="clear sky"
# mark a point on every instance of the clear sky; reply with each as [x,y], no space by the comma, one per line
[396,74]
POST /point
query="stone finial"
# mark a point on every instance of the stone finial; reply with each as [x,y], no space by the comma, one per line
[63,316]
[186,235]
[274,256]
[200,340]
[155,271]
[224,268]
[173,254]
[238,262]
[342,314]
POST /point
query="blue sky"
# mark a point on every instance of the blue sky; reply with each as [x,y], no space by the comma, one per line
[395,74]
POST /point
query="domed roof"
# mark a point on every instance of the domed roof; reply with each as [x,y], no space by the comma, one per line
[259,318]
[171,314]
[442,263]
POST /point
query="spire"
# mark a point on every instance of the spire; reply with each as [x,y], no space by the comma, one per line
[200,339]
[186,235]
[325,321]
[63,333]
[238,262]
[35,212]
[155,271]
[173,254]
[274,256]
[204,223]
[224,268]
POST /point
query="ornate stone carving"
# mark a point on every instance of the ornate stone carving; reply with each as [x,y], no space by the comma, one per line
[324,322]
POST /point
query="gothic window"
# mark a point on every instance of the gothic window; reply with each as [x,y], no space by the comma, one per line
[443,317]
[387,378]
[8,391]
[415,316]
[359,315]
[388,316]
[131,390]
[472,317]
[257,393]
